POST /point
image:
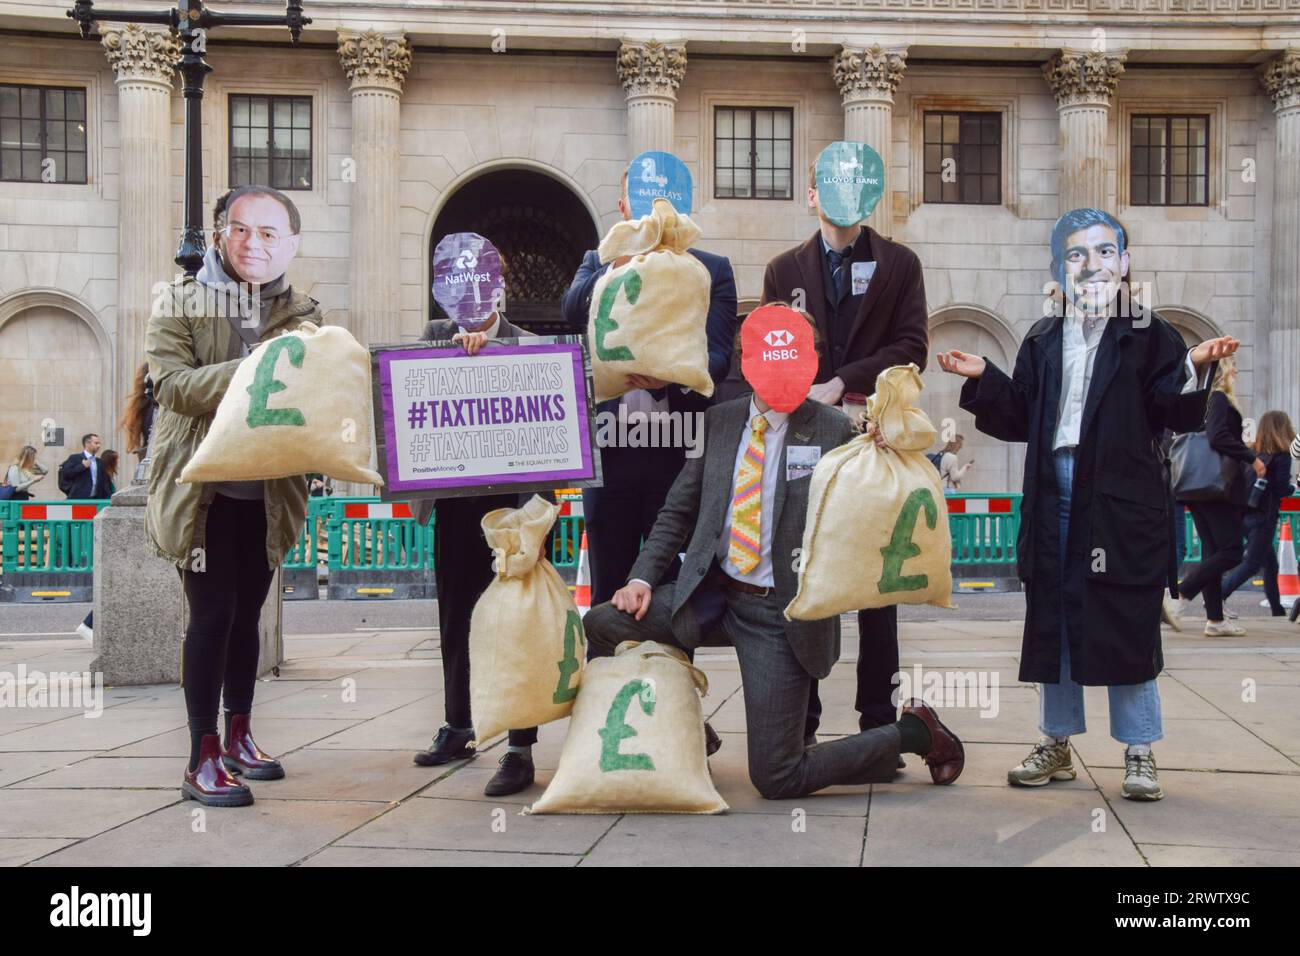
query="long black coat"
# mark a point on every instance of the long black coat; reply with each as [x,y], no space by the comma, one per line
[1120,554]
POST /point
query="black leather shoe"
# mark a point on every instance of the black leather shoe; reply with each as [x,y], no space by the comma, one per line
[712,742]
[449,745]
[516,774]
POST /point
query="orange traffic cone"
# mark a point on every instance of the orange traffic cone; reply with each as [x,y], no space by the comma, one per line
[582,587]
[1288,581]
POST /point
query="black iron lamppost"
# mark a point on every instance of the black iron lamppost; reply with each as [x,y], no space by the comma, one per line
[191,20]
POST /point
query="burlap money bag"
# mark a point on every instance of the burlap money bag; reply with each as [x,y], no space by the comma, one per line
[526,646]
[648,316]
[299,403]
[877,527]
[636,738]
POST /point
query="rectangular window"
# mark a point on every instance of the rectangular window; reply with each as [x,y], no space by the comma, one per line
[963,158]
[270,141]
[1170,161]
[42,134]
[753,152]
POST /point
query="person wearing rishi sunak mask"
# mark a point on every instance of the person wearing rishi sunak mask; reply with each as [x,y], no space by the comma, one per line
[1093,388]
[867,295]
[226,538]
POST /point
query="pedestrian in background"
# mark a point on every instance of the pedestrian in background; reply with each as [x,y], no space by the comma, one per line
[81,475]
[1260,524]
[950,468]
[1219,521]
[24,473]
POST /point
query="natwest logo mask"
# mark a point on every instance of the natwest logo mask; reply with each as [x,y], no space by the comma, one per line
[777,356]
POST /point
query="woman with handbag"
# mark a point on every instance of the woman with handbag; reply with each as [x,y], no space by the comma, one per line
[1271,441]
[23,474]
[1219,520]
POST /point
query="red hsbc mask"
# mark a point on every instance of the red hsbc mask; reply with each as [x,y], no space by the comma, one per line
[778,357]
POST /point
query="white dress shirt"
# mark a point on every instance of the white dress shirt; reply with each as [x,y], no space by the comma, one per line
[94,469]
[773,445]
[1078,356]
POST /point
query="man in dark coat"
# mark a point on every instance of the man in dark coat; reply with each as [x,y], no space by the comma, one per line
[619,515]
[82,475]
[462,571]
[867,295]
[1093,388]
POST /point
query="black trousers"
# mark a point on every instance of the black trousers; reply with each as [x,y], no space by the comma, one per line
[225,599]
[462,571]
[877,670]
[619,515]
[1219,526]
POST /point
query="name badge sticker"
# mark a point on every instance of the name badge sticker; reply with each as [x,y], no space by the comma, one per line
[800,460]
[862,273]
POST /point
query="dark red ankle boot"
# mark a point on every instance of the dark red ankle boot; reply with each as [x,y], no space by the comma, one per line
[243,756]
[210,783]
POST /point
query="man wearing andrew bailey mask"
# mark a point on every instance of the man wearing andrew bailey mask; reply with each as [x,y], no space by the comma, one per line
[741,508]
[868,297]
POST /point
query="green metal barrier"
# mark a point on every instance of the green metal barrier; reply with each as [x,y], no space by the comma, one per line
[365,534]
[984,527]
[45,537]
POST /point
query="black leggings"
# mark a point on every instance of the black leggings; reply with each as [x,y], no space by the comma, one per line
[1218,524]
[225,601]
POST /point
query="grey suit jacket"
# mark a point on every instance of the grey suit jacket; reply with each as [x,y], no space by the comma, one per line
[696,508]
[440,330]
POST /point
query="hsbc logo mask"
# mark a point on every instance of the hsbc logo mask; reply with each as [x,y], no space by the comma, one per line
[777,356]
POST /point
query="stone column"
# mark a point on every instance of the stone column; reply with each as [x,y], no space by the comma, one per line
[868,79]
[146,242]
[650,71]
[377,64]
[1281,81]
[1084,83]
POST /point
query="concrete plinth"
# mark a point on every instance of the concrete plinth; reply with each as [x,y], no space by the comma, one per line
[140,613]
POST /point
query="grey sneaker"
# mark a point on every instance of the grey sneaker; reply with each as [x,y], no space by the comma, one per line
[1140,780]
[1048,761]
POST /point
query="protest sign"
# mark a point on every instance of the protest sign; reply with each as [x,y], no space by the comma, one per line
[515,417]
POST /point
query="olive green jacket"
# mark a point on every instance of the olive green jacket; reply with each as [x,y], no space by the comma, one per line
[190,373]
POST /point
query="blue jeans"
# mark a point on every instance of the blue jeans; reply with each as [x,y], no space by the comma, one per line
[1134,708]
[1260,556]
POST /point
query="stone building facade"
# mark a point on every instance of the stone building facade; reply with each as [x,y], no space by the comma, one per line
[516,120]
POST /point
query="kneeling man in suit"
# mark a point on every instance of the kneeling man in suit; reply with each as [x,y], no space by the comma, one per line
[741,505]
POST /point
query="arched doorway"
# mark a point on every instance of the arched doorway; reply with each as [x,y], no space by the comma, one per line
[541,230]
[1194,327]
[57,368]
[977,330]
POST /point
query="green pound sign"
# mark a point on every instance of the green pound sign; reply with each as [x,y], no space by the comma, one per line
[265,384]
[569,664]
[900,546]
[616,729]
[631,283]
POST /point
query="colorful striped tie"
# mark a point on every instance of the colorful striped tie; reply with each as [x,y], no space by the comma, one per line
[747,503]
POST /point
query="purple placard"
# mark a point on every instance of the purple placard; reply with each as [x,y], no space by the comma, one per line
[467,280]
[451,419]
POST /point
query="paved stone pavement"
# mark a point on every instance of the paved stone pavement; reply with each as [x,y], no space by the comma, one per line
[104,791]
